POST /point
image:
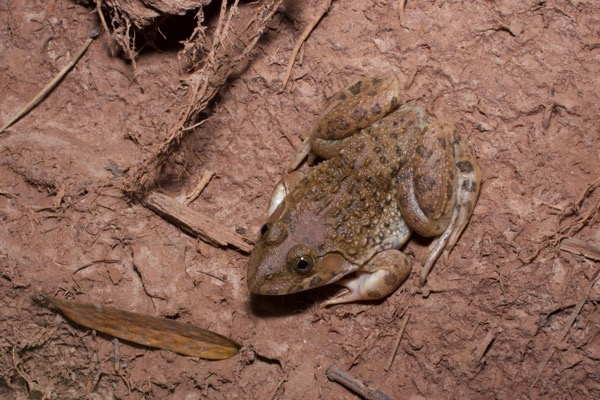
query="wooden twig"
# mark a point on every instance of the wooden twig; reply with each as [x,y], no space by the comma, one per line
[195,223]
[569,323]
[102,19]
[199,188]
[52,84]
[337,375]
[397,344]
[305,34]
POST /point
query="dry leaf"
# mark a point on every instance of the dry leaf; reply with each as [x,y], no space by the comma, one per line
[148,330]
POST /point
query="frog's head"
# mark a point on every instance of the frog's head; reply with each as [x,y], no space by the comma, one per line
[289,257]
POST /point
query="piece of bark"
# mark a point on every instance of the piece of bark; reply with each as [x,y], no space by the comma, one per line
[195,223]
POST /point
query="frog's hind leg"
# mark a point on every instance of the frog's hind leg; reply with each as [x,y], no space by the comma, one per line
[468,177]
[383,274]
[427,183]
[358,106]
[438,189]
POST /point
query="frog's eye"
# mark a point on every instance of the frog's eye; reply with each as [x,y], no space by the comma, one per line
[303,265]
[301,260]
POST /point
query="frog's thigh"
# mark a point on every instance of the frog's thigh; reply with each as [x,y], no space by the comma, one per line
[384,273]
[427,188]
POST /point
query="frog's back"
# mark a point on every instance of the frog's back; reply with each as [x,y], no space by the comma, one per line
[355,193]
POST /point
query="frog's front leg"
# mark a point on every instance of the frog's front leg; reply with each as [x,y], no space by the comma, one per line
[358,106]
[382,275]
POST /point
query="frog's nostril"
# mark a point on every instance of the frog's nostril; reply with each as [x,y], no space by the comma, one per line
[264,230]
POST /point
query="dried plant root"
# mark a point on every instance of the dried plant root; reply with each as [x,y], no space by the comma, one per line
[233,41]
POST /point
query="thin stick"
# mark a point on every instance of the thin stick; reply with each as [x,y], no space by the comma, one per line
[337,375]
[199,188]
[50,86]
[101,16]
[397,344]
[301,40]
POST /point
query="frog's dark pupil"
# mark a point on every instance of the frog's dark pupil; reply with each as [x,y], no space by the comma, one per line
[264,229]
[302,264]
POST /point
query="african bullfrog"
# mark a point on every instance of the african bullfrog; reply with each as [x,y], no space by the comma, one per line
[389,170]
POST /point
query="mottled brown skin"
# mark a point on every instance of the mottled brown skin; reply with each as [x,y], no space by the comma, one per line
[389,170]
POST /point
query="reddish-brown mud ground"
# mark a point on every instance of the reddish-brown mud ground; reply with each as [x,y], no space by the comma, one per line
[520,79]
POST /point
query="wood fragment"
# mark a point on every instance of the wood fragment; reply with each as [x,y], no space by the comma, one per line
[116,345]
[195,223]
[335,374]
[52,84]
[397,344]
[147,330]
[193,195]
[577,246]
[305,34]
[569,323]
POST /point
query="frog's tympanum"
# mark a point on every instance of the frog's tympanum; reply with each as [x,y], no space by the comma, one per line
[389,170]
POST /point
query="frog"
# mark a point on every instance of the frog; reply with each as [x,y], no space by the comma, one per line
[388,170]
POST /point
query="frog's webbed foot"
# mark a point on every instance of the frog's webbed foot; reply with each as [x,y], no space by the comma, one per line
[384,273]
[284,187]
[468,185]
